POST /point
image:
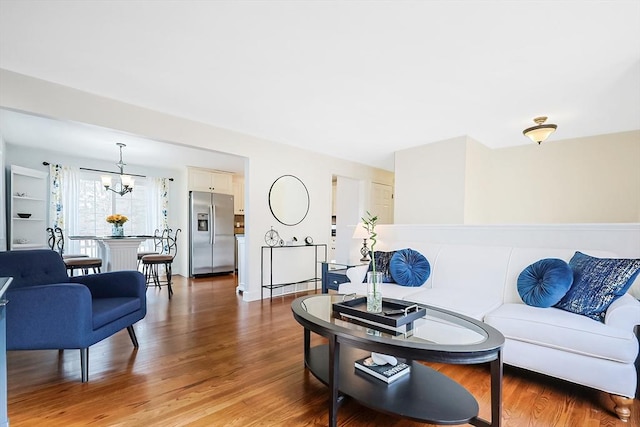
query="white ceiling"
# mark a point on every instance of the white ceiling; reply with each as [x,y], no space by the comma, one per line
[356,79]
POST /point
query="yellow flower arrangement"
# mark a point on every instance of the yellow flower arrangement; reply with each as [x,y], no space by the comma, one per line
[117,219]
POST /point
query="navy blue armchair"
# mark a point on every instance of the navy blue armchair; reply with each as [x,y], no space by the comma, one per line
[49,310]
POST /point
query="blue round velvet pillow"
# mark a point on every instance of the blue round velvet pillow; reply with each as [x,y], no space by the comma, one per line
[545,282]
[409,268]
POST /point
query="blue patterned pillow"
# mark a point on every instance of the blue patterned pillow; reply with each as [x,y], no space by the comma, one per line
[382,265]
[409,268]
[597,282]
[545,282]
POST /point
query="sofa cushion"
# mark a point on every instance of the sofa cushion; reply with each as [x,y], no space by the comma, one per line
[382,260]
[559,329]
[409,268]
[389,290]
[597,282]
[472,303]
[545,282]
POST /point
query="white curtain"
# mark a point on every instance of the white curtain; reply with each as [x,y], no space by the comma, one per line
[157,208]
[65,209]
[63,203]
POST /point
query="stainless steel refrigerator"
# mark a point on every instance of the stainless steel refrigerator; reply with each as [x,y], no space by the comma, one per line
[211,239]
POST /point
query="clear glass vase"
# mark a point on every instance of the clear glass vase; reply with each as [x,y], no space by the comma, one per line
[117,230]
[374,293]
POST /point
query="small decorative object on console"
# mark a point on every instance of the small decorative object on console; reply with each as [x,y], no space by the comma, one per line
[272,238]
[387,372]
[308,240]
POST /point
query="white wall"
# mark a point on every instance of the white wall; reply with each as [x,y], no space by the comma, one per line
[584,180]
[349,210]
[266,160]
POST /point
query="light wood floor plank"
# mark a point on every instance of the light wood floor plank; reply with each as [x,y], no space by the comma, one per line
[208,359]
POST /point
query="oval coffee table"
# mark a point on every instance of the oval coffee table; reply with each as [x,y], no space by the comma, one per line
[424,395]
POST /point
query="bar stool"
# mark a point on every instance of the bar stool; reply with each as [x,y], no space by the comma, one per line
[157,245]
[56,243]
[74,262]
[151,263]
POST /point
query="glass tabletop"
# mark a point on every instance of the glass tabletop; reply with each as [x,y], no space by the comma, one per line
[438,329]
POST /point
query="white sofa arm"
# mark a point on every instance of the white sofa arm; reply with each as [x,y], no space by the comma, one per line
[623,313]
[358,273]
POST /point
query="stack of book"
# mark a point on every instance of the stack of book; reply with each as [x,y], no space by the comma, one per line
[387,373]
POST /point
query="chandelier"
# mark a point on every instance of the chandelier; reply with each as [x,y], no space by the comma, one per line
[126,181]
[540,132]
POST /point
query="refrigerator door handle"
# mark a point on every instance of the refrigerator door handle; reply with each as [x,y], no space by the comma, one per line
[212,235]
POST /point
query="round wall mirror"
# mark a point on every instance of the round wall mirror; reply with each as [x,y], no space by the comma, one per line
[289,200]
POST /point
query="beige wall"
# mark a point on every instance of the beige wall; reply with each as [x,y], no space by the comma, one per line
[478,183]
[430,183]
[585,180]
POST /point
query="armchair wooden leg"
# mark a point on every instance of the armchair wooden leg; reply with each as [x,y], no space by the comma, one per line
[132,335]
[84,364]
[623,406]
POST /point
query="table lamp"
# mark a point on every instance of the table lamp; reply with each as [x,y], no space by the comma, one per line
[362,233]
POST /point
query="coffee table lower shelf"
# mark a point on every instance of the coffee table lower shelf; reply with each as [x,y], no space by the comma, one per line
[424,395]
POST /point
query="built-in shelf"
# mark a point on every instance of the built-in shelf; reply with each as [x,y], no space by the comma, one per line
[28,195]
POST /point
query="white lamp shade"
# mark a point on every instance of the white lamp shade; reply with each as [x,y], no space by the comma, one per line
[360,232]
[106,181]
[127,181]
[541,133]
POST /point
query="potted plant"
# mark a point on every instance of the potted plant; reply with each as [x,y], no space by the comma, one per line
[374,278]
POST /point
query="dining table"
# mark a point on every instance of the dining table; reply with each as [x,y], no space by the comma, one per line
[117,252]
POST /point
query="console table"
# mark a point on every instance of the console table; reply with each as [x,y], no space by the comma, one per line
[317,250]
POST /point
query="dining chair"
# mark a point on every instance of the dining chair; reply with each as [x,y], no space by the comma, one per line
[151,263]
[76,261]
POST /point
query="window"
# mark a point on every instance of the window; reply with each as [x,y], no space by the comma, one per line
[80,205]
[95,203]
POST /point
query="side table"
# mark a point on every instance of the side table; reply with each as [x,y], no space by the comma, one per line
[334,273]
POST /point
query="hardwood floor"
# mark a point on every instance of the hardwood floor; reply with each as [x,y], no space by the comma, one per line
[208,359]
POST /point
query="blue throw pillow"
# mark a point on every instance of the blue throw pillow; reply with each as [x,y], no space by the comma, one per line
[545,282]
[409,268]
[597,282]
[382,265]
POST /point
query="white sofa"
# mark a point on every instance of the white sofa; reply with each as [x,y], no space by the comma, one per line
[481,282]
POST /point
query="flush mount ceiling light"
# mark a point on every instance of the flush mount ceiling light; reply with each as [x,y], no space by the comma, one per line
[540,132]
[126,181]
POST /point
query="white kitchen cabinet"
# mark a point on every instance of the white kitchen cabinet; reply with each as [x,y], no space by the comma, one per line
[209,180]
[28,212]
[238,195]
